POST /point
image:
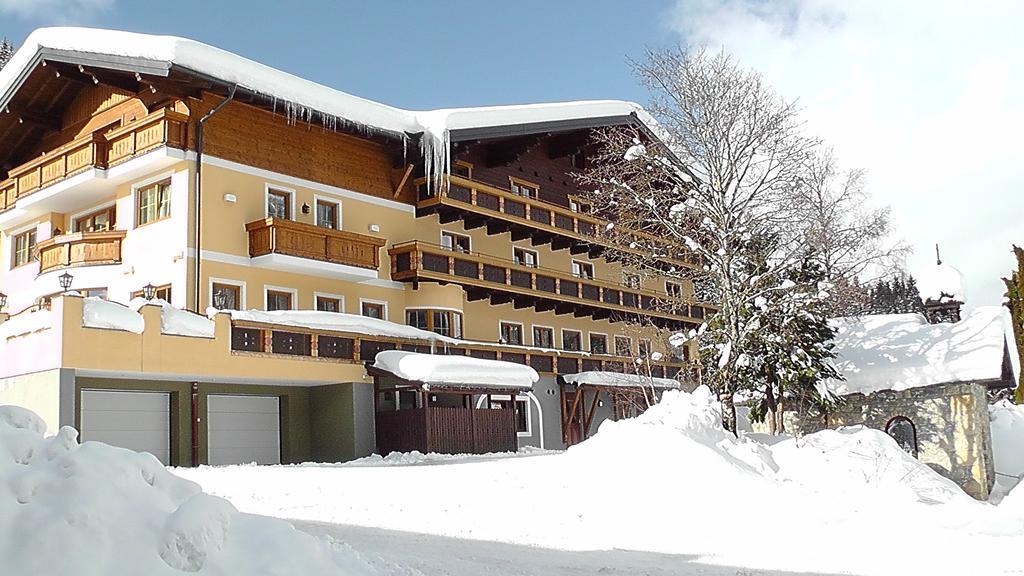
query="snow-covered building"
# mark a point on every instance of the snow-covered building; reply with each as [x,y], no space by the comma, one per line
[324,226]
[926,384]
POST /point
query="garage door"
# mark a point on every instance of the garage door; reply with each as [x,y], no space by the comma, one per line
[243,429]
[139,421]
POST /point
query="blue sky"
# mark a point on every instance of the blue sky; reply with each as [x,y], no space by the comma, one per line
[404,53]
[924,95]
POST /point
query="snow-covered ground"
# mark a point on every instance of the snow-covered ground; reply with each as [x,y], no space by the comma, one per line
[671,484]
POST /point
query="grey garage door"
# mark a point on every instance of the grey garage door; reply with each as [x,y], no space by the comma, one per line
[243,429]
[138,421]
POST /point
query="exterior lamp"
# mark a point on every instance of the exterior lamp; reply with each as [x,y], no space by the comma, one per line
[65,281]
[3,300]
[149,291]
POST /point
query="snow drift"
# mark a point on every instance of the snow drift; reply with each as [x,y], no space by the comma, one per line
[672,481]
[90,509]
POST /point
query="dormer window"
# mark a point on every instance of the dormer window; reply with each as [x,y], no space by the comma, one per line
[524,188]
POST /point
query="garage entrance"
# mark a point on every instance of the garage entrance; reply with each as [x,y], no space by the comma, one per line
[139,421]
[243,429]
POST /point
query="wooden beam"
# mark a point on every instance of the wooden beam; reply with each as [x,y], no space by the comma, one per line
[497,227]
[590,415]
[520,233]
[401,183]
[474,222]
[541,239]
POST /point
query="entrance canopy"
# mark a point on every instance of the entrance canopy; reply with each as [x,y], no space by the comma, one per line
[439,372]
[618,380]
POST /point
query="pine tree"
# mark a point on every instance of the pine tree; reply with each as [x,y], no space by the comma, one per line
[914,302]
[6,52]
[1015,302]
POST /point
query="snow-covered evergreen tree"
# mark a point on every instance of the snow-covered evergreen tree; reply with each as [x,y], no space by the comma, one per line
[6,51]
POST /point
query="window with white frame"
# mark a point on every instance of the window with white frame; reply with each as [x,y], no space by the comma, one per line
[279,204]
[373,309]
[153,203]
[543,337]
[328,303]
[584,270]
[23,248]
[455,242]
[623,346]
[279,300]
[572,340]
[525,257]
[598,343]
[510,333]
[225,296]
[328,214]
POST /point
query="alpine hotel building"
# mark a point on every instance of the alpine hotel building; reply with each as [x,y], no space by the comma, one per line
[141,170]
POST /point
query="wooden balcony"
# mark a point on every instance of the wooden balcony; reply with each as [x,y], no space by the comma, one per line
[96,150]
[290,238]
[503,281]
[481,205]
[80,249]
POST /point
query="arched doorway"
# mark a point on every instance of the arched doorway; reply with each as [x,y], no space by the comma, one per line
[904,433]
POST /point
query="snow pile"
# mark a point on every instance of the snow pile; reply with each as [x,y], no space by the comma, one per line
[941,283]
[177,322]
[619,379]
[672,481]
[902,351]
[25,323]
[456,370]
[67,508]
[1008,437]
[101,313]
[335,321]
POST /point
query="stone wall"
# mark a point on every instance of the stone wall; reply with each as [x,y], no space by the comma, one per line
[951,423]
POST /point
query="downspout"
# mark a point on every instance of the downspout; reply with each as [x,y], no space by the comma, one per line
[199,193]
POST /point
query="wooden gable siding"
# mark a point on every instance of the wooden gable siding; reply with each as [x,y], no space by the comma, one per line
[94,108]
[552,175]
[247,135]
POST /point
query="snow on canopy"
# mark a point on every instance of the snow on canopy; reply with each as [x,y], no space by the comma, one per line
[460,371]
[941,283]
[618,379]
[902,351]
[335,321]
[302,98]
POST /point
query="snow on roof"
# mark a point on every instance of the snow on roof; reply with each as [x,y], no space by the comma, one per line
[618,379]
[101,313]
[336,321]
[459,371]
[300,97]
[941,283]
[902,351]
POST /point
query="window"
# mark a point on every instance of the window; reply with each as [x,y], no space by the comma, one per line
[904,433]
[153,203]
[24,248]
[373,310]
[584,270]
[279,300]
[524,257]
[328,214]
[161,293]
[572,340]
[328,303]
[577,205]
[456,242]
[631,280]
[598,343]
[543,337]
[644,348]
[97,221]
[226,296]
[525,189]
[417,318]
[463,169]
[623,346]
[674,289]
[94,293]
[443,322]
[511,333]
[279,204]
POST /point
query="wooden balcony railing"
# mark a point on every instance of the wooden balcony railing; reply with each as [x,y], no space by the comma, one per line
[277,236]
[346,347]
[545,216]
[415,261]
[80,249]
[96,150]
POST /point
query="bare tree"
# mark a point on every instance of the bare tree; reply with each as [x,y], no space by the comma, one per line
[848,239]
[729,202]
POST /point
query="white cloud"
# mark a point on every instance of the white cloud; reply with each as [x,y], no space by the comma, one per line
[928,96]
[60,11]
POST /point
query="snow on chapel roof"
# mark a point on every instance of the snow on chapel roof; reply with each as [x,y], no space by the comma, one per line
[941,283]
[458,371]
[298,96]
[902,351]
